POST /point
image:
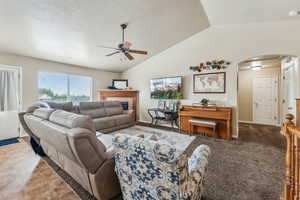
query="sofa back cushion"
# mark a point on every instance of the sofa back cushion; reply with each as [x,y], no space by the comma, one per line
[53,134]
[43,113]
[92,109]
[67,106]
[72,135]
[71,120]
[113,108]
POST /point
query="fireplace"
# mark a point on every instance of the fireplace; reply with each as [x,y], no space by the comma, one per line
[125,105]
[128,98]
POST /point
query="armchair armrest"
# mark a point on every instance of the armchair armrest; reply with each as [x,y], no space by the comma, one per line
[197,163]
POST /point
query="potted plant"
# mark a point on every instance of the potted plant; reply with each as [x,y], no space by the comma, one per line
[204,101]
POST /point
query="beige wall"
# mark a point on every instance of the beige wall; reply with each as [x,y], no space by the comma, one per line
[245,93]
[234,43]
[31,66]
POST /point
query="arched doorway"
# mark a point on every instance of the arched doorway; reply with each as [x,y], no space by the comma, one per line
[267,87]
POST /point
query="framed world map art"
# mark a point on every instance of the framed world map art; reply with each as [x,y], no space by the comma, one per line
[210,83]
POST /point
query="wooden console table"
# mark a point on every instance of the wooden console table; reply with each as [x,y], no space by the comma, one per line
[222,115]
[133,94]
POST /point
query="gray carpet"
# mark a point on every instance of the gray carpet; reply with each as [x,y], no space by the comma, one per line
[250,168]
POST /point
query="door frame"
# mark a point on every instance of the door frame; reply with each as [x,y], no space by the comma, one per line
[275,96]
[296,74]
[18,69]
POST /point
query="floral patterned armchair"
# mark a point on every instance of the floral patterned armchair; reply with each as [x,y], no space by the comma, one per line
[154,170]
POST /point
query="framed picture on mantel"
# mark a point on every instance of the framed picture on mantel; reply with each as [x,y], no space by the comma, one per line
[120,84]
[210,83]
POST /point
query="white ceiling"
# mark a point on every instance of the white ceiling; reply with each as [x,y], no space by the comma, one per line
[222,12]
[68,30]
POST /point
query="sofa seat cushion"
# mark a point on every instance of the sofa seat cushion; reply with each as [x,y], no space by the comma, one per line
[104,123]
[122,119]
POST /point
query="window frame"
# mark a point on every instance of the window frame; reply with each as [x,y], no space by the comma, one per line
[68,81]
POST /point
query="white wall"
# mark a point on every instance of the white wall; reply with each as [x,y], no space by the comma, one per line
[234,43]
[31,66]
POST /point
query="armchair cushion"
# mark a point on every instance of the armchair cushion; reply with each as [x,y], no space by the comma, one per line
[149,169]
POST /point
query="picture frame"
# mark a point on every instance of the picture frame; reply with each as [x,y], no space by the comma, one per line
[213,83]
[120,84]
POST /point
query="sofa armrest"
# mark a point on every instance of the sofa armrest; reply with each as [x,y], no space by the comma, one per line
[26,128]
[198,162]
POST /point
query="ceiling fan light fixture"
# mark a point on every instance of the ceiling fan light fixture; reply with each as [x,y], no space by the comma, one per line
[124,47]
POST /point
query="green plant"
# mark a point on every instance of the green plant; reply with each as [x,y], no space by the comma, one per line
[204,101]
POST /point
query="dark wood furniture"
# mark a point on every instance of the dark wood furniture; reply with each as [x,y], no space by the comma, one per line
[158,114]
[133,94]
[222,115]
[292,178]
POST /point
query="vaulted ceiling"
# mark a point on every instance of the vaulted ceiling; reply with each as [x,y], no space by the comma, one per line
[69,31]
[221,12]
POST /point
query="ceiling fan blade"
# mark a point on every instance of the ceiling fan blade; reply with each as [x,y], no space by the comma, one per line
[128,56]
[107,47]
[138,51]
[113,53]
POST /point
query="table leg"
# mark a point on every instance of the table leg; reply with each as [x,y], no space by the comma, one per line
[228,130]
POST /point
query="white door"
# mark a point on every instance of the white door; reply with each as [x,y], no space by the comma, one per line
[9,102]
[289,86]
[265,100]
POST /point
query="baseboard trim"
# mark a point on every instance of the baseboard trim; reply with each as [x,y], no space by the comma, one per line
[142,121]
[251,122]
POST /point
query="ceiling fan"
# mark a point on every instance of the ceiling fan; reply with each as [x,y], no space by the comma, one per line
[124,47]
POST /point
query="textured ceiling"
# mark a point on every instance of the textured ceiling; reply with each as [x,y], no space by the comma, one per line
[222,12]
[68,30]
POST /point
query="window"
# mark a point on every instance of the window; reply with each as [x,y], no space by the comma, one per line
[64,87]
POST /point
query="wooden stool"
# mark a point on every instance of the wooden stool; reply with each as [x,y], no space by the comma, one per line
[194,122]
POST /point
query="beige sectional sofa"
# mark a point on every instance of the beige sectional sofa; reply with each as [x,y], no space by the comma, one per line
[107,116]
[70,140]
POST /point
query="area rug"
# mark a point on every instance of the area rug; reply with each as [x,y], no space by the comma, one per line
[238,169]
[250,168]
[181,141]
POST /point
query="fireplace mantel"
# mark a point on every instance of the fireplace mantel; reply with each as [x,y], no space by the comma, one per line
[104,94]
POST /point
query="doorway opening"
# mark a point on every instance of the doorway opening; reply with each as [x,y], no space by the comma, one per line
[267,88]
[10,101]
